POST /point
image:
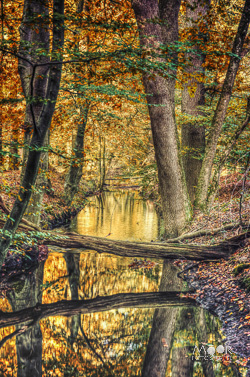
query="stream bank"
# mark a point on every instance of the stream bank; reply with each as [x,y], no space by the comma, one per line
[130,218]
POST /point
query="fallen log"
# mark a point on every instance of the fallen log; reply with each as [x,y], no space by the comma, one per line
[158,250]
[22,227]
[145,249]
[99,304]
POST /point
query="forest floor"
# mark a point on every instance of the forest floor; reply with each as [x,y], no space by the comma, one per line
[222,287]
[54,211]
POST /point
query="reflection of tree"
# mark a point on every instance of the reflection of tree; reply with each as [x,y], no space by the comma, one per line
[118,336]
[175,333]
[28,344]
[72,261]
[163,326]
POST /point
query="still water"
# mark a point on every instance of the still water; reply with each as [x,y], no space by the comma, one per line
[148,342]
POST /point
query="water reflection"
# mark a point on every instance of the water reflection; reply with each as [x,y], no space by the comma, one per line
[120,216]
[120,342]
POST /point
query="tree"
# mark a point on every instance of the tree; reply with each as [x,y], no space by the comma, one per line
[160,98]
[158,32]
[193,94]
[221,109]
[41,82]
[74,173]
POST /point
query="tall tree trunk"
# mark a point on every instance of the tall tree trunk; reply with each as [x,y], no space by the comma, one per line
[75,170]
[1,141]
[193,95]
[221,109]
[34,87]
[160,99]
[35,40]
[74,174]
[102,162]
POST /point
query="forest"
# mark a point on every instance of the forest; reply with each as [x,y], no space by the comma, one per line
[124,174]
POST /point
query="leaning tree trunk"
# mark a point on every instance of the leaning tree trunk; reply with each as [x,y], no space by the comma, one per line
[35,87]
[51,79]
[161,106]
[193,96]
[30,40]
[221,109]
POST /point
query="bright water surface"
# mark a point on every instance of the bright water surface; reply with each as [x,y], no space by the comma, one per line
[122,342]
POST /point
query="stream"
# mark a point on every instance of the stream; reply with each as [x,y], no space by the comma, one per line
[164,342]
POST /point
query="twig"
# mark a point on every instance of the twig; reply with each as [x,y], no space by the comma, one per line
[92,348]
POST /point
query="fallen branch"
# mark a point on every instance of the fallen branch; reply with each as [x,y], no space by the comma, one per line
[201,233]
[23,221]
[22,226]
[16,333]
[98,304]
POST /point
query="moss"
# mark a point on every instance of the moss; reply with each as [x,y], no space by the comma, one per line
[245,282]
[241,267]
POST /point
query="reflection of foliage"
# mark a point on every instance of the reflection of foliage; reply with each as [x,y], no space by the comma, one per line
[147,268]
[121,346]
[119,337]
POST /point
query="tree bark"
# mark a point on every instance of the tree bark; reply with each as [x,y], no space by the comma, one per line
[146,249]
[102,163]
[35,89]
[193,96]
[221,109]
[33,211]
[202,232]
[161,106]
[13,157]
[52,82]
[31,39]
